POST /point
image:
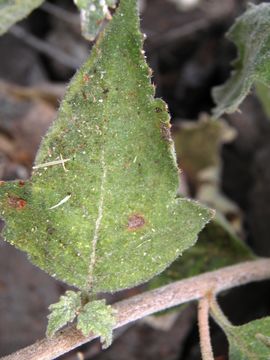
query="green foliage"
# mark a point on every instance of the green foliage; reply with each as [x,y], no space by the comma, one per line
[263,94]
[63,312]
[249,341]
[198,151]
[109,219]
[97,317]
[216,247]
[251,34]
[93,12]
[12,11]
[94,316]
[100,211]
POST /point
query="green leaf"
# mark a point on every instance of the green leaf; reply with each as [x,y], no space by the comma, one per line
[216,247]
[108,218]
[251,35]
[263,94]
[94,316]
[97,317]
[198,146]
[12,11]
[63,312]
[249,341]
[93,12]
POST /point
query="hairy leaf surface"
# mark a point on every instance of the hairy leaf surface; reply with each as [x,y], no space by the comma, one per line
[263,94]
[216,247]
[93,12]
[97,317]
[251,35]
[107,218]
[249,341]
[63,312]
[198,149]
[12,11]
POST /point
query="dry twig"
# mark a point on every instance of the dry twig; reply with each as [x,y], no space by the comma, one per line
[149,303]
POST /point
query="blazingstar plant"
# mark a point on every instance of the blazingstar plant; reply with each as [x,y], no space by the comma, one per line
[101,210]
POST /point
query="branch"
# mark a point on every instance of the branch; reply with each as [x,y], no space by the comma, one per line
[149,303]
[203,322]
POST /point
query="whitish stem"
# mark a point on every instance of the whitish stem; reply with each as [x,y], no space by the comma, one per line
[149,303]
[203,322]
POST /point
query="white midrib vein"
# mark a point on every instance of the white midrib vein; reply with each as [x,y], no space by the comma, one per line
[98,221]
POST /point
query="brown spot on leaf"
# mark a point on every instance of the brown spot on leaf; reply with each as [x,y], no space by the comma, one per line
[166,132]
[16,202]
[21,183]
[158,110]
[131,94]
[135,222]
[86,77]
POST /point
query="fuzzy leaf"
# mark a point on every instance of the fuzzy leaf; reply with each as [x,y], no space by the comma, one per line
[12,11]
[108,218]
[216,247]
[249,341]
[63,312]
[251,35]
[97,317]
[198,147]
[93,12]
[263,94]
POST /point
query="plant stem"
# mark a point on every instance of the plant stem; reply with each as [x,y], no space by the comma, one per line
[203,322]
[218,314]
[149,303]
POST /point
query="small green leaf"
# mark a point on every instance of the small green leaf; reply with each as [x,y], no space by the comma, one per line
[93,12]
[12,11]
[251,34]
[247,342]
[97,317]
[63,312]
[100,211]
